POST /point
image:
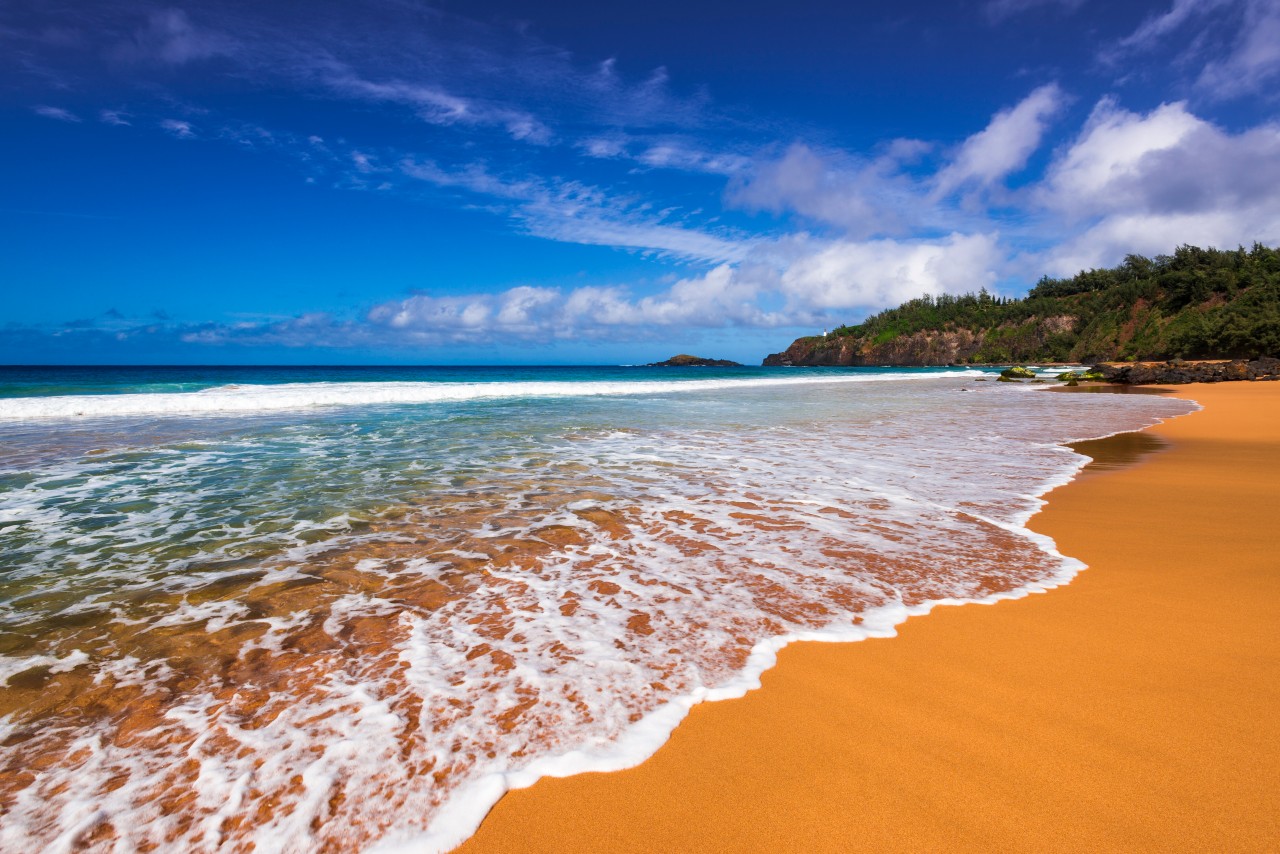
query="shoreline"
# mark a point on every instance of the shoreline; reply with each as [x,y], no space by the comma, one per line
[853,744]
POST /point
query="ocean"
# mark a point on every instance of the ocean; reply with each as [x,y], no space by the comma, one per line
[312,608]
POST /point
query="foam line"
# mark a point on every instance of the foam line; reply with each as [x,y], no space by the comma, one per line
[240,399]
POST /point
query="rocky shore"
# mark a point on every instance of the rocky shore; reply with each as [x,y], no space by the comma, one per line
[1177,371]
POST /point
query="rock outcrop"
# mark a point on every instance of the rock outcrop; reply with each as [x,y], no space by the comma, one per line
[920,349]
[1176,371]
[684,360]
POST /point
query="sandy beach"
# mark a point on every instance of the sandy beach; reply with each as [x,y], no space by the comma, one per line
[1133,710]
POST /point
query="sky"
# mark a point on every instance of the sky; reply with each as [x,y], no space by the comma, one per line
[500,182]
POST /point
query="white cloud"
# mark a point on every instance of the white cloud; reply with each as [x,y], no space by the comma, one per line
[170,37]
[1156,27]
[877,273]
[861,197]
[1254,62]
[573,212]
[1109,152]
[998,10]
[664,152]
[1149,182]
[720,298]
[1114,237]
[892,192]
[1234,43]
[435,105]
[57,113]
[1004,146]
[179,128]
[114,117]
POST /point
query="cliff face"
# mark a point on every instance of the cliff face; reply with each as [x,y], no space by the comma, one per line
[922,348]
[1195,304]
[917,349]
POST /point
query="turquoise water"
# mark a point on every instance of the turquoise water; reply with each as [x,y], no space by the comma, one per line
[18,381]
[309,607]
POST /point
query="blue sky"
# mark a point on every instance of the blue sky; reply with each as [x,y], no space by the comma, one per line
[503,182]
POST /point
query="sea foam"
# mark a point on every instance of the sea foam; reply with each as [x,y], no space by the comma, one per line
[243,399]
[358,633]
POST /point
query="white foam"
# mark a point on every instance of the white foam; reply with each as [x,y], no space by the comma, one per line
[11,666]
[737,541]
[241,399]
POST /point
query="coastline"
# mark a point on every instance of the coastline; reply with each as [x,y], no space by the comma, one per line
[1129,709]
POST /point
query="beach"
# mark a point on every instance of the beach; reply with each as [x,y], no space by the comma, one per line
[1134,709]
[318,609]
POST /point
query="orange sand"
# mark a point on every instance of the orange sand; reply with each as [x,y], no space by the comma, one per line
[1137,709]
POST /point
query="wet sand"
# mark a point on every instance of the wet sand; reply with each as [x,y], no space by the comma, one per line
[1136,709]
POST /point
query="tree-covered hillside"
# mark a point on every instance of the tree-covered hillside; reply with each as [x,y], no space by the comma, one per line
[1194,304]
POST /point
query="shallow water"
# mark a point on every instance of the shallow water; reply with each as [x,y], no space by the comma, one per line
[361,608]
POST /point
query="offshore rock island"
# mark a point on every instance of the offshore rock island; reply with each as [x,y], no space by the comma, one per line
[1194,304]
[684,360]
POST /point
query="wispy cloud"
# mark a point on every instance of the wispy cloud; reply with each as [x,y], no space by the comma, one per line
[179,128]
[999,10]
[665,151]
[573,212]
[433,107]
[57,113]
[1232,45]
[1004,146]
[169,36]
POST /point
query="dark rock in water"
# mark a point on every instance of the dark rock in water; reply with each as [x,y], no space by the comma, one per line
[1003,379]
[1176,371]
[1018,373]
[686,361]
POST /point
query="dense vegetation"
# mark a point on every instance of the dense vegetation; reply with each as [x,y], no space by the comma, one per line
[1195,303]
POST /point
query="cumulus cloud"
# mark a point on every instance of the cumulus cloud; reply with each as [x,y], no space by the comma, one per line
[722,297]
[810,281]
[876,273]
[1004,145]
[1134,182]
[861,197]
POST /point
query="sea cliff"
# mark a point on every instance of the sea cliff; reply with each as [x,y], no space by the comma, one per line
[1194,304]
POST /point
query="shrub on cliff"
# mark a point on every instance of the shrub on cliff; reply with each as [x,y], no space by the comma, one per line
[1194,304]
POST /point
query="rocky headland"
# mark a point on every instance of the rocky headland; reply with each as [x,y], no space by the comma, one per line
[1196,304]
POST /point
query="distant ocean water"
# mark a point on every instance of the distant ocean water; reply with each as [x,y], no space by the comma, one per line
[303,608]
